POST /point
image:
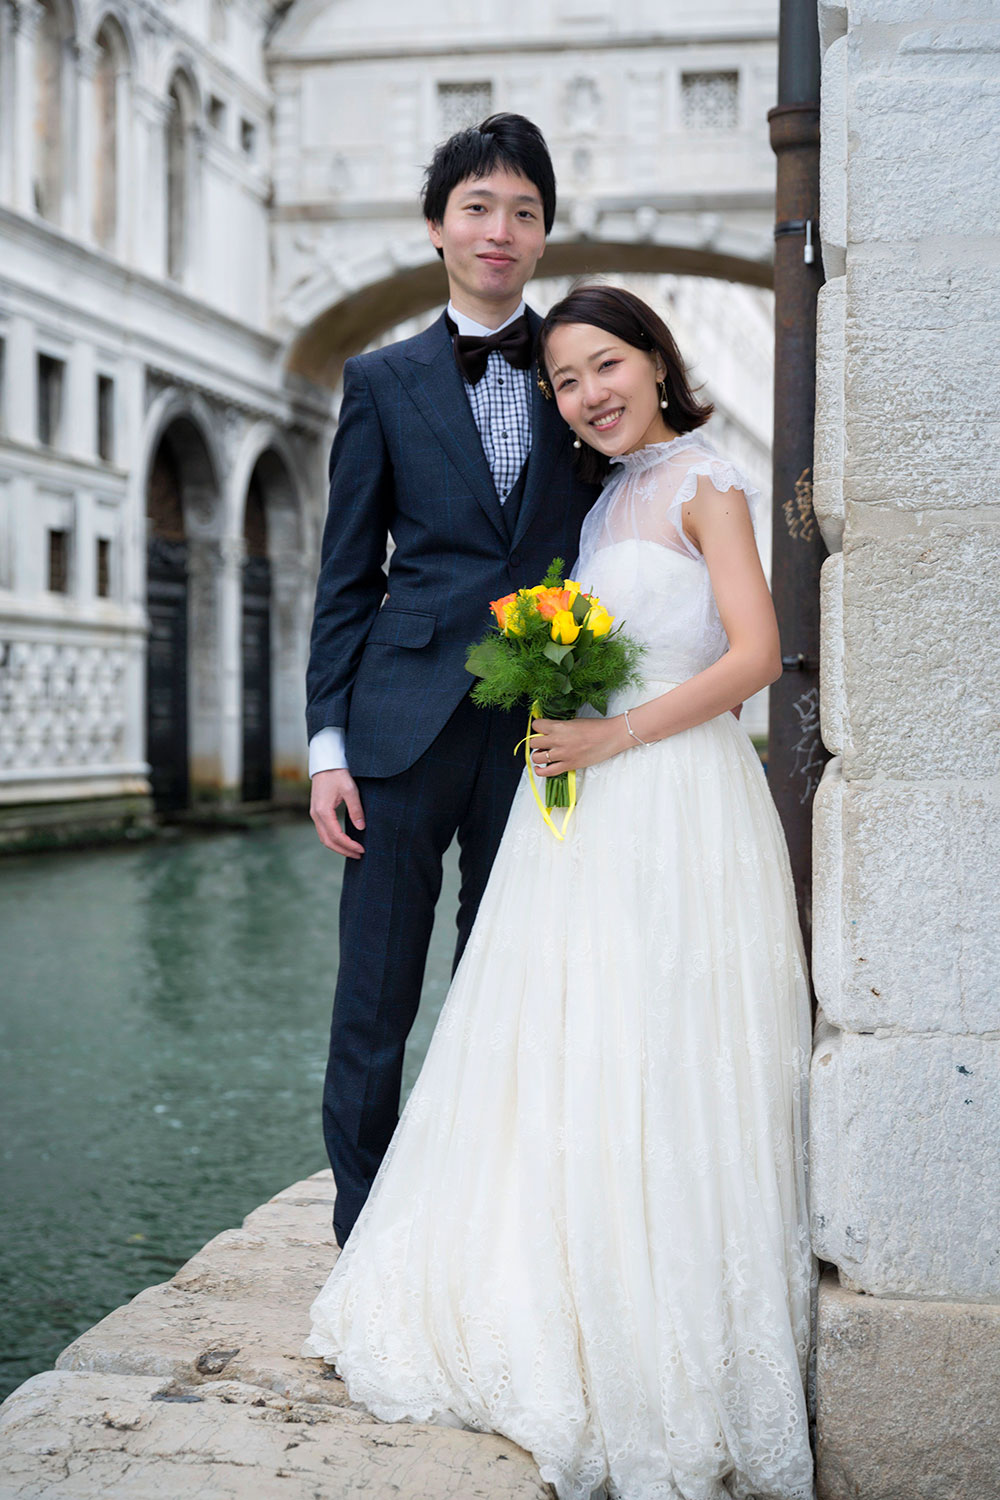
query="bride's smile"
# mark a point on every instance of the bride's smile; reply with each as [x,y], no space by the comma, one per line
[607,390]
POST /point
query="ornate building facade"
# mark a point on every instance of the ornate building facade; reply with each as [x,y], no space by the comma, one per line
[161,479]
[205,207]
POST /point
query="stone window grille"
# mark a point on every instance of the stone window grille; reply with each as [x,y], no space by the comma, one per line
[51,373]
[58,562]
[462,105]
[710,101]
[103,568]
[106,418]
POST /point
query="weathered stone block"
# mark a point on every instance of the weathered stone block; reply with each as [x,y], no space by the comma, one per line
[833,159]
[828,883]
[828,442]
[922,654]
[832,22]
[831,653]
[73,1436]
[905,935]
[900,12]
[921,145]
[240,1307]
[904,1200]
[907,1398]
[921,403]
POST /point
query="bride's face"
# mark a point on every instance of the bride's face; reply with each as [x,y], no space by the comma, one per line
[606,389]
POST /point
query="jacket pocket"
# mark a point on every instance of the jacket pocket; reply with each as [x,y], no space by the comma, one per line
[401,627]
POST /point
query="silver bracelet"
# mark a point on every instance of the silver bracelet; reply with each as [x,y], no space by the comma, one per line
[632,732]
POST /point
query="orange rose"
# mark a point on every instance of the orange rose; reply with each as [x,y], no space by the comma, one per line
[551,601]
[500,608]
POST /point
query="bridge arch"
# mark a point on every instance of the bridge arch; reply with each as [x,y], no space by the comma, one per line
[341,311]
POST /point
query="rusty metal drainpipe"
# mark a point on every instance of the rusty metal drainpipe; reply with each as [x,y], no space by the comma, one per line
[795,752]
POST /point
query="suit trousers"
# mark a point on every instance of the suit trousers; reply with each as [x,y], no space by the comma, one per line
[462,785]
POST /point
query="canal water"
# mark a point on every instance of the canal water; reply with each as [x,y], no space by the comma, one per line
[162,1041]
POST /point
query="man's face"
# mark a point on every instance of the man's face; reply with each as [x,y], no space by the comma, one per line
[492,236]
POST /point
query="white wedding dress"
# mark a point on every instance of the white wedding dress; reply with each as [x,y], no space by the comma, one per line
[590,1232]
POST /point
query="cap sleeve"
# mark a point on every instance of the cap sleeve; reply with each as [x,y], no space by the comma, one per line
[722,476]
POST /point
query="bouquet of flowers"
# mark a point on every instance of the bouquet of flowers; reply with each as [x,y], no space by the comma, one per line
[553,647]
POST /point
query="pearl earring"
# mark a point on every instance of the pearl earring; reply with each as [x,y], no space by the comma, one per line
[662,386]
[576,441]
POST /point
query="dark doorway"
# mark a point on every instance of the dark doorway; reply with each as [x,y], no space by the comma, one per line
[256,650]
[166,656]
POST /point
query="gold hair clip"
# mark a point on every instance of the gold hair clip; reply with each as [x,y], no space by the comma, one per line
[545,388]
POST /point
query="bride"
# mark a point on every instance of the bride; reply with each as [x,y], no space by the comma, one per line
[589,1233]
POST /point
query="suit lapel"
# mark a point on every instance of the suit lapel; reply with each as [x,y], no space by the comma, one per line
[428,371]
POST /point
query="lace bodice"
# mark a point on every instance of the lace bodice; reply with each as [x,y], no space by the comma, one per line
[636,556]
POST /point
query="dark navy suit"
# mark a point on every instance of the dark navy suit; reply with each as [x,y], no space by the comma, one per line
[408,460]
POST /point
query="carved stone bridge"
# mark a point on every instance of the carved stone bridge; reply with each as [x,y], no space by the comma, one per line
[656,125]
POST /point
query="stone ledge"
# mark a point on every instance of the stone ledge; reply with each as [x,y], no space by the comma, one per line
[86,1436]
[197,1387]
[907,1398]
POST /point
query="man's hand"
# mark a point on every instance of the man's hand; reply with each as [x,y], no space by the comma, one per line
[329,790]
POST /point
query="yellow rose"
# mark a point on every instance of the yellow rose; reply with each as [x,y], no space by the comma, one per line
[598,621]
[571,588]
[564,628]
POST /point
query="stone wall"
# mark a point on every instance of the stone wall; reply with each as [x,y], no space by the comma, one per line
[906,1104]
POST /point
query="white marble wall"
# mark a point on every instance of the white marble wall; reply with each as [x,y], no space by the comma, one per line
[906,1103]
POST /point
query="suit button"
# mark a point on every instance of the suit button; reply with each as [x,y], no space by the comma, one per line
[515,560]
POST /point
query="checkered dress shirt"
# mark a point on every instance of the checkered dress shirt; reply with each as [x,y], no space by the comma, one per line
[501,408]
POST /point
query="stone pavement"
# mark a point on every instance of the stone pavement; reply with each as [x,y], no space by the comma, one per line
[196,1388]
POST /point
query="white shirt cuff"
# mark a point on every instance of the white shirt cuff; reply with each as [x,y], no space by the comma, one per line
[327,751]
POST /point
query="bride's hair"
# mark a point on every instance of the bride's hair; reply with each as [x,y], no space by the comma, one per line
[628,318]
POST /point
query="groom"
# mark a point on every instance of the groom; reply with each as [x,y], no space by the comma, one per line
[446,443]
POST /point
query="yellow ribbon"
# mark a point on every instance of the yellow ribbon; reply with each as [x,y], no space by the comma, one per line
[546,812]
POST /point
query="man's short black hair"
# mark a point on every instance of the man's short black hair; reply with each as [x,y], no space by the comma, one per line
[501,143]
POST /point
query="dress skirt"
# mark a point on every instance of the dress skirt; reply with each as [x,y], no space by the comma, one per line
[590,1230]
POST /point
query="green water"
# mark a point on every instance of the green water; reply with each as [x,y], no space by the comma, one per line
[162,1042]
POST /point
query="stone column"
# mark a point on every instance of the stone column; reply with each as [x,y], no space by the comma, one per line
[906,1074]
[21,381]
[293,584]
[8,17]
[215,602]
[80,423]
[26,21]
[147,227]
[84,146]
[125,145]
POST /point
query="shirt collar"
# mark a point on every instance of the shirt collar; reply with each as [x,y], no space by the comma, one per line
[467,326]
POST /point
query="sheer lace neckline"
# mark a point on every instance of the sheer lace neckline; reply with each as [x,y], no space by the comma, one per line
[654,453]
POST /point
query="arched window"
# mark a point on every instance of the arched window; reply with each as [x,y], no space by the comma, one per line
[48,176]
[112,61]
[180,120]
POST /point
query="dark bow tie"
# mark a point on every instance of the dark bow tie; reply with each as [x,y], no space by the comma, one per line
[472,350]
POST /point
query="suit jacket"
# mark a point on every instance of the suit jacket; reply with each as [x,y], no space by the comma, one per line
[408,459]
